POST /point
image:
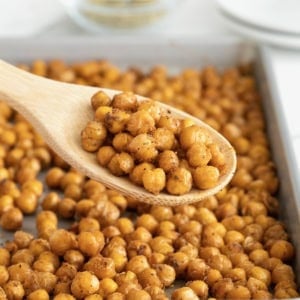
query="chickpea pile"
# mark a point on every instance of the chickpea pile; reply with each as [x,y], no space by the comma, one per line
[153,148]
[229,246]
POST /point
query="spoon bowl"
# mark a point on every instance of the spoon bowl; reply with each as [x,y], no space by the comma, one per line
[59,112]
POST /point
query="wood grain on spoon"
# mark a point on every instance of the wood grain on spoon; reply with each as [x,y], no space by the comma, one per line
[59,111]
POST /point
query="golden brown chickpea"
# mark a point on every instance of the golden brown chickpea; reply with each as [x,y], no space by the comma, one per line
[62,241]
[121,164]
[137,295]
[154,180]
[162,245]
[116,296]
[137,264]
[286,293]
[259,256]
[22,239]
[102,267]
[165,273]
[93,136]
[54,176]
[169,122]
[12,219]
[39,294]
[74,257]
[121,141]
[22,255]
[37,246]
[94,297]
[66,272]
[164,139]
[90,243]
[193,135]
[88,224]
[206,177]
[125,101]
[107,286]
[73,191]
[6,202]
[142,147]
[239,292]
[84,284]
[149,277]
[140,122]
[14,290]
[198,155]
[100,99]
[237,275]
[50,202]
[261,274]
[138,171]
[66,208]
[152,107]
[101,113]
[217,157]
[283,250]
[261,295]
[179,181]
[4,276]
[179,261]
[220,262]
[63,296]
[4,257]
[27,202]
[199,287]
[116,120]
[282,272]
[184,293]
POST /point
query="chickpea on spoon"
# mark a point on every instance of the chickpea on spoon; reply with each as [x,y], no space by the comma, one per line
[63,115]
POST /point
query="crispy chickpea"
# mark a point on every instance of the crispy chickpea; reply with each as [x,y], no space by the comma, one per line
[116,296]
[63,296]
[4,257]
[140,122]
[179,261]
[152,107]
[206,177]
[170,123]
[102,267]
[101,113]
[116,120]
[74,257]
[184,293]
[121,141]
[137,264]
[66,208]
[121,164]
[14,290]
[282,272]
[138,171]
[62,241]
[105,154]
[261,295]
[154,180]
[50,202]
[27,202]
[164,139]
[239,292]
[107,286]
[220,262]
[162,245]
[84,284]
[261,274]
[142,147]
[165,273]
[66,272]
[149,277]
[199,287]
[93,136]
[39,294]
[12,219]
[283,250]
[100,99]
[168,160]
[90,243]
[197,269]
[137,295]
[4,276]
[125,101]
[6,202]
[179,181]
[254,285]
[198,155]
[193,135]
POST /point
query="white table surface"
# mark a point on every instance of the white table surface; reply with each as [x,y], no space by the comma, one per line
[27,18]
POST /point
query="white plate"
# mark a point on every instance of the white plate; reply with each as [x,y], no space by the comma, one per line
[281,16]
[266,37]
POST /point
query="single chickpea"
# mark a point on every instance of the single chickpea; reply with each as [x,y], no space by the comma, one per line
[149,277]
[136,176]
[84,284]
[165,273]
[6,202]
[107,286]
[198,155]
[121,141]
[4,257]
[199,287]
[116,120]
[91,243]
[27,202]
[206,177]
[184,293]
[136,247]
[164,139]
[100,99]
[74,257]
[37,246]
[140,122]
[254,285]
[261,274]
[66,272]
[39,294]
[22,239]
[179,261]
[239,292]
[105,154]
[12,219]
[66,208]
[62,241]
[282,272]
[179,181]
[142,147]
[152,107]
[137,264]
[193,135]
[93,136]
[102,267]
[4,276]
[154,180]
[170,123]
[162,245]
[205,216]
[283,250]
[121,164]
[116,296]
[125,101]
[14,290]
[261,294]
[50,202]
[19,272]
[102,112]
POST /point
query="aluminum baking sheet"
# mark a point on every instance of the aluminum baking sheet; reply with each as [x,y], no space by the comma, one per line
[177,54]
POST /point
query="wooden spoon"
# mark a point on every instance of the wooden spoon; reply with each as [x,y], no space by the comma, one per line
[59,111]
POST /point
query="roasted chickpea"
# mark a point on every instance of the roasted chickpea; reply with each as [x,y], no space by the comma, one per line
[116,120]
[12,219]
[84,284]
[91,243]
[140,122]
[93,136]
[154,180]
[138,295]
[101,113]
[170,123]
[61,241]
[199,287]
[121,141]
[179,181]
[39,294]
[105,154]
[164,139]
[14,290]
[138,171]
[100,99]
[121,164]
[125,101]
[184,293]
[206,177]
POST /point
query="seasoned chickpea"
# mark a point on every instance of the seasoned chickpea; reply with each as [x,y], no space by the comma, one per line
[179,181]
[138,295]
[50,202]
[14,290]
[4,276]
[84,284]
[170,123]
[198,155]
[154,180]
[165,273]
[140,122]
[282,272]
[239,292]
[105,154]
[121,141]
[116,120]
[137,264]
[143,148]
[149,277]
[121,164]
[283,250]
[152,107]
[39,294]
[199,287]
[4,257]
[138,171]
[101,113]
[164,139]
[63,296]
[102,267]
[107,286]
[90,243]
[193,135]
[12,219]
[62,241]
[100,99]
[206,177]
[74,257]
[184,293]
[93,136]
[125,101]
